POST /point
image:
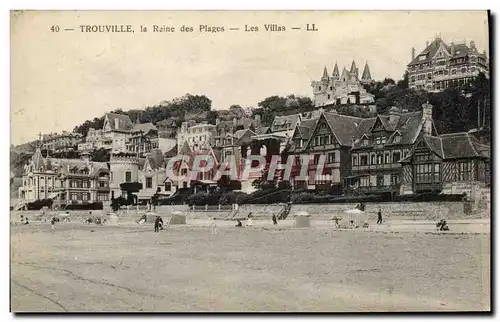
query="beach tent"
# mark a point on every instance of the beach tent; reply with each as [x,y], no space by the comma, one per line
[354,215]
[112,219]
[178,218]
[302,219]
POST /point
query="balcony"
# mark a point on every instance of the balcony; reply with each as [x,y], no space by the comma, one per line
[376,167]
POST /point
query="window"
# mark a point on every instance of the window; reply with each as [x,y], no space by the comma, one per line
[184,172]
[436,172]
[149,183]
[464,171]
[316,158]
[387,158]
[322,140]
[365,142]
[426,173]
[329,139]
[397,139]
[111,176]
[380,180]
[317,140]
[364,181]
[331,157]
[396,156]
[380,159]
[128,176]
[373,159]
[102,184]
[354,160]
[168,186]
[394,179]
[364,160]
[319,88]
[328,96]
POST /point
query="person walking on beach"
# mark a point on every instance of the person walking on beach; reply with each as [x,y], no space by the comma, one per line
[214,229]
[379,220]
[52,223]
[275,220]
[157,224]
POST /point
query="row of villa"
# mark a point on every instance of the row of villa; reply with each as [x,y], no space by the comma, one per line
[395,154]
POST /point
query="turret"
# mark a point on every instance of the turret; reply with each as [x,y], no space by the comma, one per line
[367,77]
[336,74]
[325,74]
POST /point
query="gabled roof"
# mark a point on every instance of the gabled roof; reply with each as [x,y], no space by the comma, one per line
[343,127]
[305,129]
[124,122]
[408,124]
[459,50]
[144,127]
[293,120]
[454,146]
[185,149]
[155,159]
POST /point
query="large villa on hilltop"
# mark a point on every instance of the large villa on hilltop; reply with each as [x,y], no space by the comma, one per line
[345,88]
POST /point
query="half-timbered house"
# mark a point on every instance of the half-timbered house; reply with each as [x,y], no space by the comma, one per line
[381,142]
[454,163]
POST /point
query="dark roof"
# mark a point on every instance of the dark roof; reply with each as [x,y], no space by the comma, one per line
[306,128]
[344,127]
[124,122]
[407,124]
[459,50]
[435,143]
[461,145]
[454,146]
[285,119]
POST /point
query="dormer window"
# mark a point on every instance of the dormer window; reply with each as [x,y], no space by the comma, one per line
[364,142]
[397,138]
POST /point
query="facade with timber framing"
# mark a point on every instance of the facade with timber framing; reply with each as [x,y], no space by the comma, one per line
[454,163]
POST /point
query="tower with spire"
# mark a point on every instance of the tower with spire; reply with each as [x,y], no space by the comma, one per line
[366,77]
[354,69]
[336,74]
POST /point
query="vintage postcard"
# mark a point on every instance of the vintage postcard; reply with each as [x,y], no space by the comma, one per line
[250,161]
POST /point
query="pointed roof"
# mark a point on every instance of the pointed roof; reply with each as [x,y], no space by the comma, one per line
[366,73]
[37,159]
[353,67]
[344,75]
[325,74]
[336,70]
[124,122]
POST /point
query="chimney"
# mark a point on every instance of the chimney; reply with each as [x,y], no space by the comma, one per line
[426,44]
[452,48]
[117,123]
[427,118]
[412,53]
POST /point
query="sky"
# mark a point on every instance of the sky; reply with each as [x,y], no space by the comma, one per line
[60,79]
